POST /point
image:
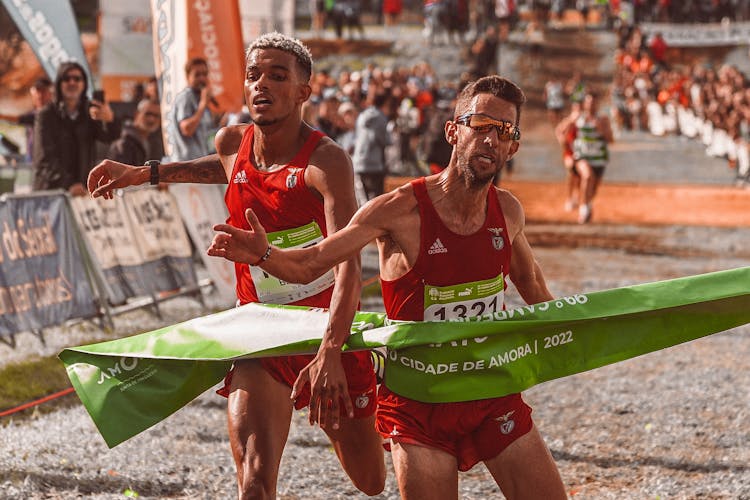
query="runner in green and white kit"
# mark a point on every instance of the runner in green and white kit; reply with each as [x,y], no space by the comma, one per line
[590,153]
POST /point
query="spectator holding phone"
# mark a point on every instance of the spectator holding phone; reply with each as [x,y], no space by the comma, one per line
[192,123]
[65,131]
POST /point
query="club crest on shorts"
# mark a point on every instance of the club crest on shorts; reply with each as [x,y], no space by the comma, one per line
[497,240]
[291,179]
[362,401]
[506,424]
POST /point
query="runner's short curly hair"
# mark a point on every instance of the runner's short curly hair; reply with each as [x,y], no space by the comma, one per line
[495,85]
[285,43]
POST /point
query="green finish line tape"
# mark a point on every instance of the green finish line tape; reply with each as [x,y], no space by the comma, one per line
[127,385]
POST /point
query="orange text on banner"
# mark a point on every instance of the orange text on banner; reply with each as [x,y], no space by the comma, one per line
[215,34]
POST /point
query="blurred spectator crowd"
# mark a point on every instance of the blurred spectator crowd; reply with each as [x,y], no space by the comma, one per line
[414,104]
[698,101]
[409,105]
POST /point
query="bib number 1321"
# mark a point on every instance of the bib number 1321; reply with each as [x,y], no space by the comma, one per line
[467,300]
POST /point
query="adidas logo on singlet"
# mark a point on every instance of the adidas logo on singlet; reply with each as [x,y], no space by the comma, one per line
[437,247]
[240,178]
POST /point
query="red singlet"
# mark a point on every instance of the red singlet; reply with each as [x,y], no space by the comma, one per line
[446,258]
[471,431]
[280,199]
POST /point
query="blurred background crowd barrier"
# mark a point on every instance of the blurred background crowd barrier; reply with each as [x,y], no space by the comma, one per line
[66,258]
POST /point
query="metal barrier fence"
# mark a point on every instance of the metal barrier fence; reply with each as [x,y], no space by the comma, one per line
[65,259]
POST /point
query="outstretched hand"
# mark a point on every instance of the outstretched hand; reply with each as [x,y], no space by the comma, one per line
[328,389]
[110,175]
[240,245]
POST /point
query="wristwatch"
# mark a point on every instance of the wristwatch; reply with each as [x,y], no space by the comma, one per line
[154,164]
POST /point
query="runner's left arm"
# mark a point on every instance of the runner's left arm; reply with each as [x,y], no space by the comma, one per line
[525,272]
[334,181]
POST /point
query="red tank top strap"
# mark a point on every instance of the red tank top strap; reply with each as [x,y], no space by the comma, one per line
[420,188]
[427,216]
[493,207]
[423,199]
[302,158]
[243,152]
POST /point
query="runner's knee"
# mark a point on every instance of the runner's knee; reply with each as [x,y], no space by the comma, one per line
[371,482]
[361,456]
[584,170]
[257,480]
[255,489]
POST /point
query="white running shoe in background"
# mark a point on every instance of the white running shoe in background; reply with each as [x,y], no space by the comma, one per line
[584,213]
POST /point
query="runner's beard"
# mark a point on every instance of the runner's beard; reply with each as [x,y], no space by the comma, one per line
[269,121]
[472,175]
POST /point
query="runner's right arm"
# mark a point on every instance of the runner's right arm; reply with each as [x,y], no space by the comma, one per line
[561,130]
[376,218]
[212,169]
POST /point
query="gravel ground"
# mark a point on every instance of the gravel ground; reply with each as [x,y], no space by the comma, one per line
[671,424]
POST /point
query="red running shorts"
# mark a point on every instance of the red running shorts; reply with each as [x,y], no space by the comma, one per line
[359,376]
[471,431]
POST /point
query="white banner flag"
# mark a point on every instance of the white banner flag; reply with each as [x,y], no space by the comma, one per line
[202,206]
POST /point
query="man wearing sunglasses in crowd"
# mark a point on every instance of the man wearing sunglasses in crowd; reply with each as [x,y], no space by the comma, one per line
[437,233]
[65,133]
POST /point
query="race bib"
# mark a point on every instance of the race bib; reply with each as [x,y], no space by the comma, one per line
[595,150]
[590,148]
[272,290]
[463,301]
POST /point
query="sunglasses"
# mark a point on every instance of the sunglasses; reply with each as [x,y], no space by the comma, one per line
[72,78]
[484,124]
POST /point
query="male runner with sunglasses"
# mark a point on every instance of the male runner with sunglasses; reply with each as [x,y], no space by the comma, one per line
[434,234]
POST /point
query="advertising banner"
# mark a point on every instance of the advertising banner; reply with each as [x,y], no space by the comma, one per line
[125,47]
[215,34]
[43,281]
[700,35]
[128,385]
[137,242]
[202,206]
[197,28]
[169,28]
[50,29]
[263,16]
[162,240]
[106,230]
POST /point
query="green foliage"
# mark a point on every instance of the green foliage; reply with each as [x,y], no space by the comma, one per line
[30,380]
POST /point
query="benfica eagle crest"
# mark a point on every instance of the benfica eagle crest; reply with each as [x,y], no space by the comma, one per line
[497,237]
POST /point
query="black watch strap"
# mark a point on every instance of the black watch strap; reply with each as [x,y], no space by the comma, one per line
[154,164]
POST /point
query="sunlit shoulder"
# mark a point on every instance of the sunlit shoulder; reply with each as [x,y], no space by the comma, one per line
[228,139]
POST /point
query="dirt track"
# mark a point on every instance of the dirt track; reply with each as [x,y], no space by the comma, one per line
[640,204]
[634,203]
